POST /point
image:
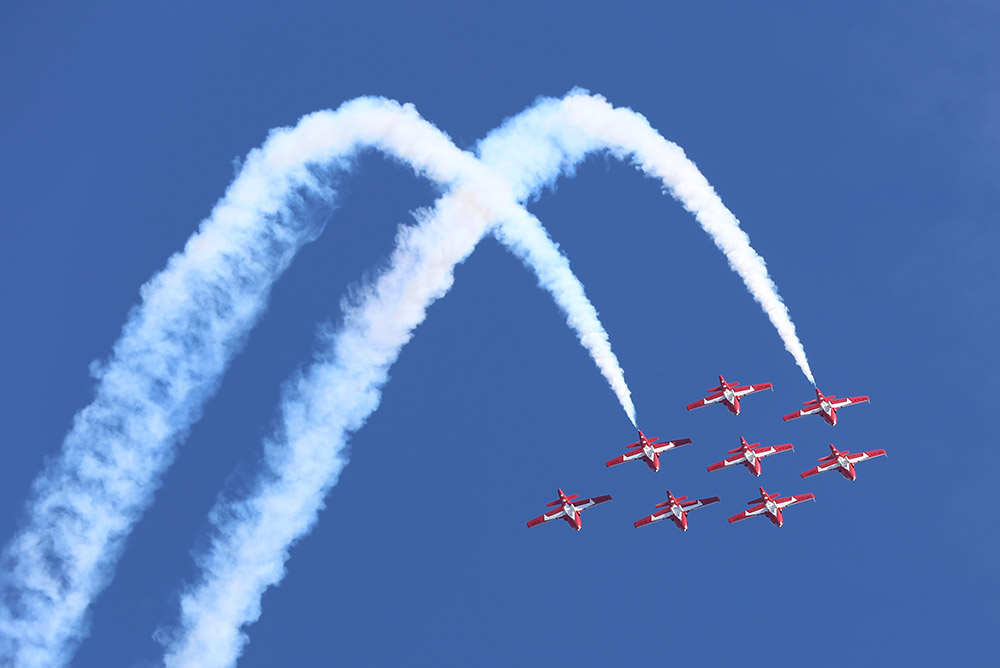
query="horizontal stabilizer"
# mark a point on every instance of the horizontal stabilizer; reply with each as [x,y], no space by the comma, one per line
[559,502]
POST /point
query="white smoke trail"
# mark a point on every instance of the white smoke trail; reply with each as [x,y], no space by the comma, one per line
[533,148]
[335,397]
[176,345]
[524,235]
[174,348]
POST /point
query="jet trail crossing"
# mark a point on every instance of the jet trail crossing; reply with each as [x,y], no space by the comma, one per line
[196,313]
[176,345]
[335,396]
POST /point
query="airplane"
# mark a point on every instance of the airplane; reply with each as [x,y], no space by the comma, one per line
[843,462]
[647,449]
[750,456]
[770,506]
[568,510]
[729,394]
[676,510]
[826,407]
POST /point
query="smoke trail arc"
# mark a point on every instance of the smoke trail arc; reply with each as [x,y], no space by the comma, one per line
[173,350]
[538,145]
[335,396]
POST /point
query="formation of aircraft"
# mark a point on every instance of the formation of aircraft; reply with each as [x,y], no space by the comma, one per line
[728,394]
[843,462]
[676,510]
[648,450]
[750,456]
[770,506]
[568,510]
[825,407]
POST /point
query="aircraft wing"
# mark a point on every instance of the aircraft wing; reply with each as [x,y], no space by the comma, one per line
[749,512]
[655,517]
[556,514]
[847,401]
[587,503]
[750,389]
[670,445]
[707,401]
[862,456]
[823,466]
[698,503]
[792,500]
[773,449]
[808,410]
[627,457]
[728,461]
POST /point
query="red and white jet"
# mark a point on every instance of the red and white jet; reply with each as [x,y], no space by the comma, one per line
[648,450]
[826,407]
[768,505]
[729,394]
[843,462]
[676,510]
[750,456]
[568,510]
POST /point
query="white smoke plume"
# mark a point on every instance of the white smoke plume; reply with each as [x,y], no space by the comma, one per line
[336,395]
[174,348]
[524,236]
[304,458]
[535,147]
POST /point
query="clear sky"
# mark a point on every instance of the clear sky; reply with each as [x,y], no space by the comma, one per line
[857,142]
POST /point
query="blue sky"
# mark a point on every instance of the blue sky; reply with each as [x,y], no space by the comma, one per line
[857,144]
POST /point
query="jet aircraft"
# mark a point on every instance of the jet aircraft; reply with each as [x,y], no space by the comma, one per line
[648,450]
[826,407]
[843,462]
[770,506]
[676,510]
[568,510]
[749,455]
[729,394]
